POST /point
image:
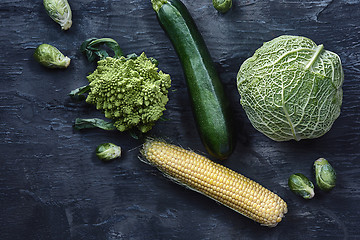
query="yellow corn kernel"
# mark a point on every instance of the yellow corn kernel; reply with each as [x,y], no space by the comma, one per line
[216,181]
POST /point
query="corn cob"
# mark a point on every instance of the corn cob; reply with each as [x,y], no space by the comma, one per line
[215,181]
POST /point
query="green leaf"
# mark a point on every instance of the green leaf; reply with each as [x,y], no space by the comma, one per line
[102,54]
[154,61]
[135,133]
[78,94]
[134,56]
[81,123]
[92,48]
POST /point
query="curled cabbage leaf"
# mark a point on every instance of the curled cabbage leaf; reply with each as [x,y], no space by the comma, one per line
[291,88]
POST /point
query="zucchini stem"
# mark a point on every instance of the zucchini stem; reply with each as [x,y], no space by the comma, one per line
[157,4]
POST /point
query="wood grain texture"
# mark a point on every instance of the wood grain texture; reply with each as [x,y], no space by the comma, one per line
[52,186]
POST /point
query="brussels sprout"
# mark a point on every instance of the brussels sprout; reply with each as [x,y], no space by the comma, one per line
[51,57]
[291,88]
[108,151]
[60,12]
[301,185]
[222,5]
[325,174]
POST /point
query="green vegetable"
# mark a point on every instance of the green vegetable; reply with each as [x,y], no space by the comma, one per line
[50,57]
[81,123]
[108,151]
[130,90]
[79,93]
[325,174]
[210,106]
[60,12]
[291,88]
[91,48]
[222,5]
[301,185]
[93,51]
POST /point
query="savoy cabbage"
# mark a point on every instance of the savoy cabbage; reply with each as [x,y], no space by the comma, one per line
[291,88]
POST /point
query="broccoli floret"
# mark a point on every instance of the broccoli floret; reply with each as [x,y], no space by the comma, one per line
[131,92]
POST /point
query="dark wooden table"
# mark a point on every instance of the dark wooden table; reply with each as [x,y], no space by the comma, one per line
[52,186]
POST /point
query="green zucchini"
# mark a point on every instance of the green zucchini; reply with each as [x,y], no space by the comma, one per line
[210,106]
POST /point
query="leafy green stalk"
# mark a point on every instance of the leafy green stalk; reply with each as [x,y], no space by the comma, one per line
[91,48]
[81,123]
[78,94]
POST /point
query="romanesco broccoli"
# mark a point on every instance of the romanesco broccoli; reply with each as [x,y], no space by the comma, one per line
[131,92]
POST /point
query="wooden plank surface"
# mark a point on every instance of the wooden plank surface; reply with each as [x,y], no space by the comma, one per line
[52,186]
